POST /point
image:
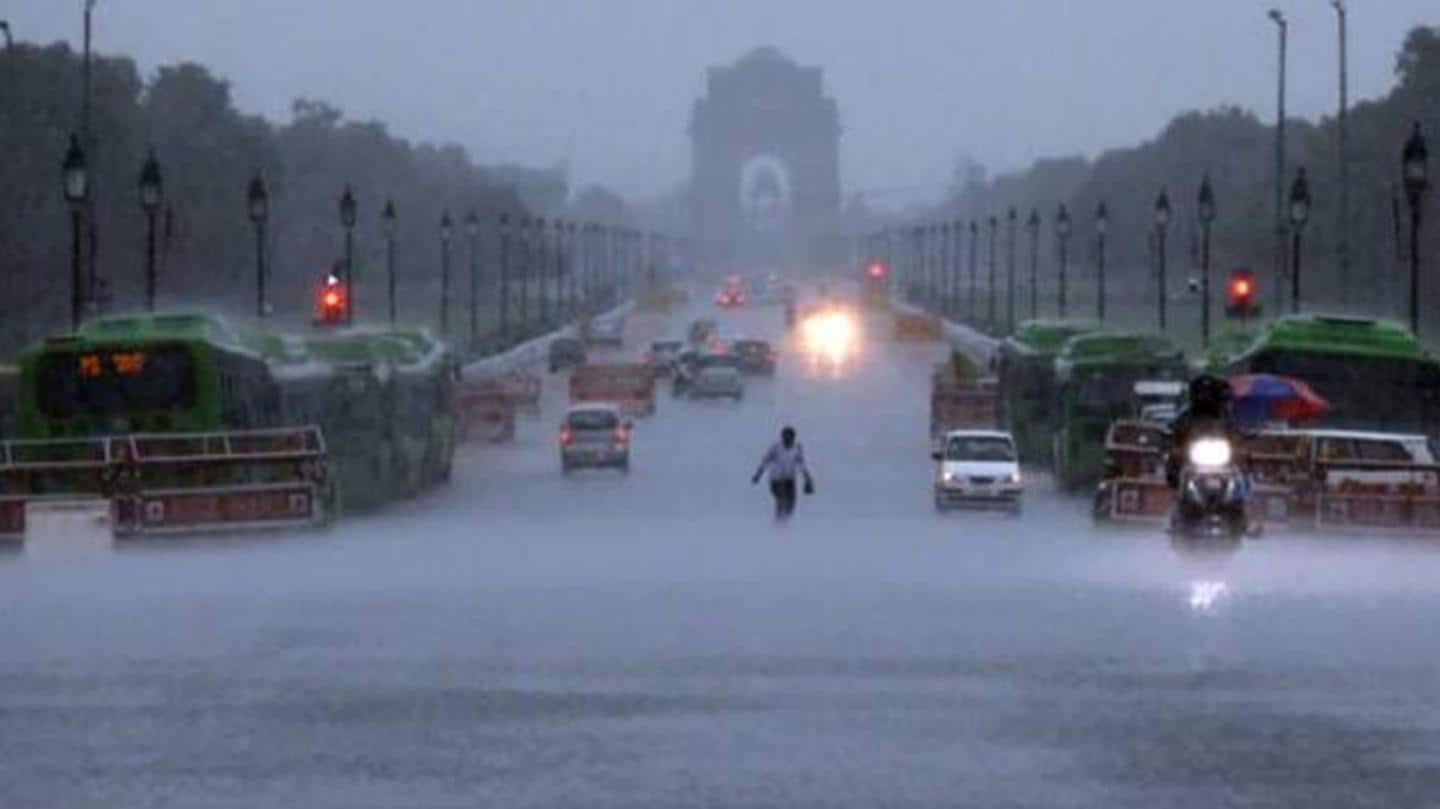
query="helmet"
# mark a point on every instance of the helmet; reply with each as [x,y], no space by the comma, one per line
[787,436]
[1209,390]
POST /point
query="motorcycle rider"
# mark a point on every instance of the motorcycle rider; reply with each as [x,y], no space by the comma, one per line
[783,461]
[1207,412]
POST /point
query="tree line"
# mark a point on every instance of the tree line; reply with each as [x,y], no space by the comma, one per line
[1236,150]
[208,152]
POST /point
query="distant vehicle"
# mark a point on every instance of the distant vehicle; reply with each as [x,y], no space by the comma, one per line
[662,354]
[628,385]
[566,352]
[977,468]
[754,356]
[594,435]
[609,332]
[701,330]
[689,365]
[732,294]
[718,382]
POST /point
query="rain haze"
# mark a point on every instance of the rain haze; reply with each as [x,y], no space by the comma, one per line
[607,87]
[665,404]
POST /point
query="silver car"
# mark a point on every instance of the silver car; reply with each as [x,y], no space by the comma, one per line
[718,382]
[594,435]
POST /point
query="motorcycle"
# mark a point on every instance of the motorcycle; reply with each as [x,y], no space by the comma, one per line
[1209,509]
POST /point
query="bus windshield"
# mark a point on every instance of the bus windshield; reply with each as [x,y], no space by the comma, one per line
[115,381]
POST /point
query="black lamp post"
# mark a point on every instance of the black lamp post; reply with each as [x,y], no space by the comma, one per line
[541,305]
[974,267]
[1033,225]
[992,310]
[1011,219]
[347,218]
[1162,224]
[1415,165]
[1062,231]
[447,229]
[1102,227]
[388,222]
[257,201]
[504,291]
[557,302]
[472,235]
[1205,208]
[152,194]
[1299,215]
[76,177]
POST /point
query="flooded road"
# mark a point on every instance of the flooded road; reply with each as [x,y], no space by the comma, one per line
[527,640]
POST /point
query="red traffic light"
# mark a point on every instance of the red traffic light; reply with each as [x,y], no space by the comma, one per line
[877,269]
[331,301]
[1241,288]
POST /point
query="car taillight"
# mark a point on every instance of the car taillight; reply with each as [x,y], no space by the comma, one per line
[621,435]
[649,357]
[566,436]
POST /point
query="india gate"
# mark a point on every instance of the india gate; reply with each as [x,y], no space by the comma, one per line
[765,165]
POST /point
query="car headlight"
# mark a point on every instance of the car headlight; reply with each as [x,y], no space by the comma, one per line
[1013,479]
[950,477]
[1210,452]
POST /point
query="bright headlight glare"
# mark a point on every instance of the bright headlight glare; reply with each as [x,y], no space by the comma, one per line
[1210,452]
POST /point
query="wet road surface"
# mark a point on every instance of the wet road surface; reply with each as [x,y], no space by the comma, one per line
[524,640]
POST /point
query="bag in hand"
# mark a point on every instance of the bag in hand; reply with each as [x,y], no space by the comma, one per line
[809,485]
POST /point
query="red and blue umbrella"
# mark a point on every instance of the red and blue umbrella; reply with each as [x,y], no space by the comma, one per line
[1259,398]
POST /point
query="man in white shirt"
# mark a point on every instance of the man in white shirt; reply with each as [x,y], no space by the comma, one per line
[783,462]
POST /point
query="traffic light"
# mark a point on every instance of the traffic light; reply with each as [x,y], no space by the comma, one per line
[332,302]
[1240,294]
[877,269]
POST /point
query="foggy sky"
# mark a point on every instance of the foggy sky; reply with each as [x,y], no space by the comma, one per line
[608,84]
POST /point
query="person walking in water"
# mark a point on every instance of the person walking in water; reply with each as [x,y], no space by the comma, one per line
[783,462]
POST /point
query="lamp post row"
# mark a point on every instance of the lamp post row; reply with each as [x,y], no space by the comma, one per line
[1414,172]
[598,259]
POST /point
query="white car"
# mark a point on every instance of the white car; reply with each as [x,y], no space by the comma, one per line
[977,469]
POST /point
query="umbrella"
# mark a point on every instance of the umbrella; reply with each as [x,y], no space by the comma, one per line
[1265,397]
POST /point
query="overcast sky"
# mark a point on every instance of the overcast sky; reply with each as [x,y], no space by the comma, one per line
[608,84]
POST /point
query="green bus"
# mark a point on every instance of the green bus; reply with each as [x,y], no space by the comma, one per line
[1026,369]
[1096,374]
[193,373]
[1374,373]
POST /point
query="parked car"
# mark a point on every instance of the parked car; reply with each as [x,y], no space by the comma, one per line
[754,356]
[718,382]
[594,435]
[566,352]
[977,469]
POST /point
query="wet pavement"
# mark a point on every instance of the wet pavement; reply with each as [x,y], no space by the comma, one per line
[526,640]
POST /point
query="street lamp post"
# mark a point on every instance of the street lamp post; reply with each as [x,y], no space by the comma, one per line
[257,200]
[347,218]
[1343,150]
[152,194]
[1299,215]
[1062,230]
[558,294]
[992,309]
[447,228]
[1415,165]
[915,283]
[472,235]
[504,291]
[1102,227]
[1205,208]
[1162,224]
[76,177]
[388,221]
[1011,218]
[974,267]
[1033,225]
[1283,29]
[9,56]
